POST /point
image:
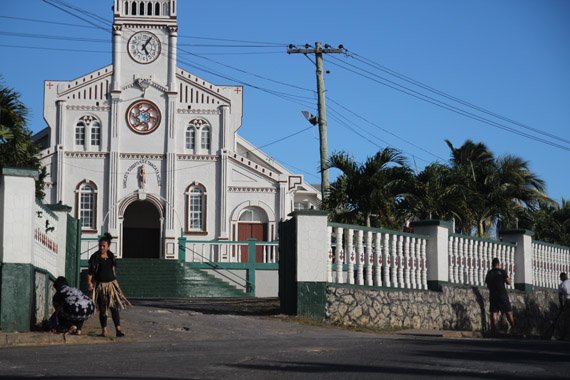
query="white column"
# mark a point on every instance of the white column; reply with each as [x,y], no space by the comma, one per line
[17,197]
[436,250]
[386,262]
[369,259]
[451,258]
[311,230]
[523,257]
[329,254]
[117,51]
[349,251]
[413,263]
[360,257]
[172,41]
[339,254]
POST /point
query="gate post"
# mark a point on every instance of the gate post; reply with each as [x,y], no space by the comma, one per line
[182,248]
[437,250]
[524,275]
[251,253]
[303,263]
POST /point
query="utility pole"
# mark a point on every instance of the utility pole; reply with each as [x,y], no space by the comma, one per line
[318,51]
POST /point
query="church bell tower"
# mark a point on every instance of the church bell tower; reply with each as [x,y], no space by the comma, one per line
[144,42]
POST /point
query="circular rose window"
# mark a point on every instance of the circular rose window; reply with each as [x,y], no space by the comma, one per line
[143,116]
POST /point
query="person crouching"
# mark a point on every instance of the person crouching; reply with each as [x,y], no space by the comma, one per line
[72,307]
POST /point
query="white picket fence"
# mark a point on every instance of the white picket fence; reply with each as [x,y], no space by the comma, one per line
[376,257]
[470,259]
[548,261]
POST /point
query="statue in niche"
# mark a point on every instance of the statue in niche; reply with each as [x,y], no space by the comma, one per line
[142,177]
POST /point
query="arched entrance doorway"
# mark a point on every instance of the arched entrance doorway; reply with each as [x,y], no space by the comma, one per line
[252,224]
[141,231]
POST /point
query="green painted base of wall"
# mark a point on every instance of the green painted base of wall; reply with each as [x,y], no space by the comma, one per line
[16,296]
[311,299]
[436,285]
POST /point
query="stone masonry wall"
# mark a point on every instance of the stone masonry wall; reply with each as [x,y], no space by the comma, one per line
[454,308]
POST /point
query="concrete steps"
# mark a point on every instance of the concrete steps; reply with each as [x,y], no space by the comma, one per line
[145,278]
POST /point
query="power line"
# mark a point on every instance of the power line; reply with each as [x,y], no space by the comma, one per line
[451,97]
[274,44]
[249,73]
[48,22]
[60,38]
[71,13]
[385,130]
[339,118]
[56,49]
[439,103]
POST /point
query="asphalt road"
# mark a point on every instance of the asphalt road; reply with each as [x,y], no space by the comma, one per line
[174,339]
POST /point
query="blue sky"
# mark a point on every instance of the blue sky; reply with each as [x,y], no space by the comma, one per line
[509,57]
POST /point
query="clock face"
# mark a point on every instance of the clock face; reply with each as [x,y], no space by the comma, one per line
[144,47]
[143,116]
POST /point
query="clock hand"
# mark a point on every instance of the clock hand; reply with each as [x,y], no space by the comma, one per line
[146,43]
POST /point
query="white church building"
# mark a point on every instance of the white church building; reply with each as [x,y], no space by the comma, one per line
[150,152]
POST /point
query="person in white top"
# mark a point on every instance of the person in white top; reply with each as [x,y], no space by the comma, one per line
[564,298]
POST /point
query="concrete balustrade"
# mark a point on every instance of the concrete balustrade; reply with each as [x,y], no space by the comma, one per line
[382,257]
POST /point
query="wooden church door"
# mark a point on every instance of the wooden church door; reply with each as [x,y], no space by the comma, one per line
[256,231]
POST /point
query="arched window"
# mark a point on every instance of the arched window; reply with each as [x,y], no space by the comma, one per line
[157,9]
[134,9]
[141,13]
[190,137]
[196,209]
[149,9]
[126,7]
[205,138]
[95,133]
[80,133]
[86,205]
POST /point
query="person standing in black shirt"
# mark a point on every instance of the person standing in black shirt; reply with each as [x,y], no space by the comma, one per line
[498,298]
[108,294]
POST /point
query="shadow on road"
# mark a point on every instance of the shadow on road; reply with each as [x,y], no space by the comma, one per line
[231,306]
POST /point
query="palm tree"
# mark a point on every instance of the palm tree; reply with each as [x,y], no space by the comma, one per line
[551,222]
[368,191]
[494,190]
[431,194]
[16,146]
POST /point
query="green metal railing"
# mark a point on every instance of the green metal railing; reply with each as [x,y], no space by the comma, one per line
[250,266]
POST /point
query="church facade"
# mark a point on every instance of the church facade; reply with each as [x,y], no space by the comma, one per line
[150,152]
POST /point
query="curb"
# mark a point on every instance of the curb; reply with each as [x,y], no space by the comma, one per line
[43,339]
[440,333]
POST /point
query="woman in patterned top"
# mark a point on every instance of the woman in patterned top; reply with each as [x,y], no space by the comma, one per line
[72,307]
[108,294]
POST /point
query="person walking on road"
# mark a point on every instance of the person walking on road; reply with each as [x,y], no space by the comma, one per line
[564,298]
[498,298]
[108,294]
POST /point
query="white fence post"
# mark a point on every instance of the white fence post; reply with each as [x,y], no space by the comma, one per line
[436,250]
[524,276]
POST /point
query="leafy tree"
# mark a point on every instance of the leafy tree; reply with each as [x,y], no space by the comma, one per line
[494,190]
[16,146]
[431,194]
[367,193]
[550,222]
